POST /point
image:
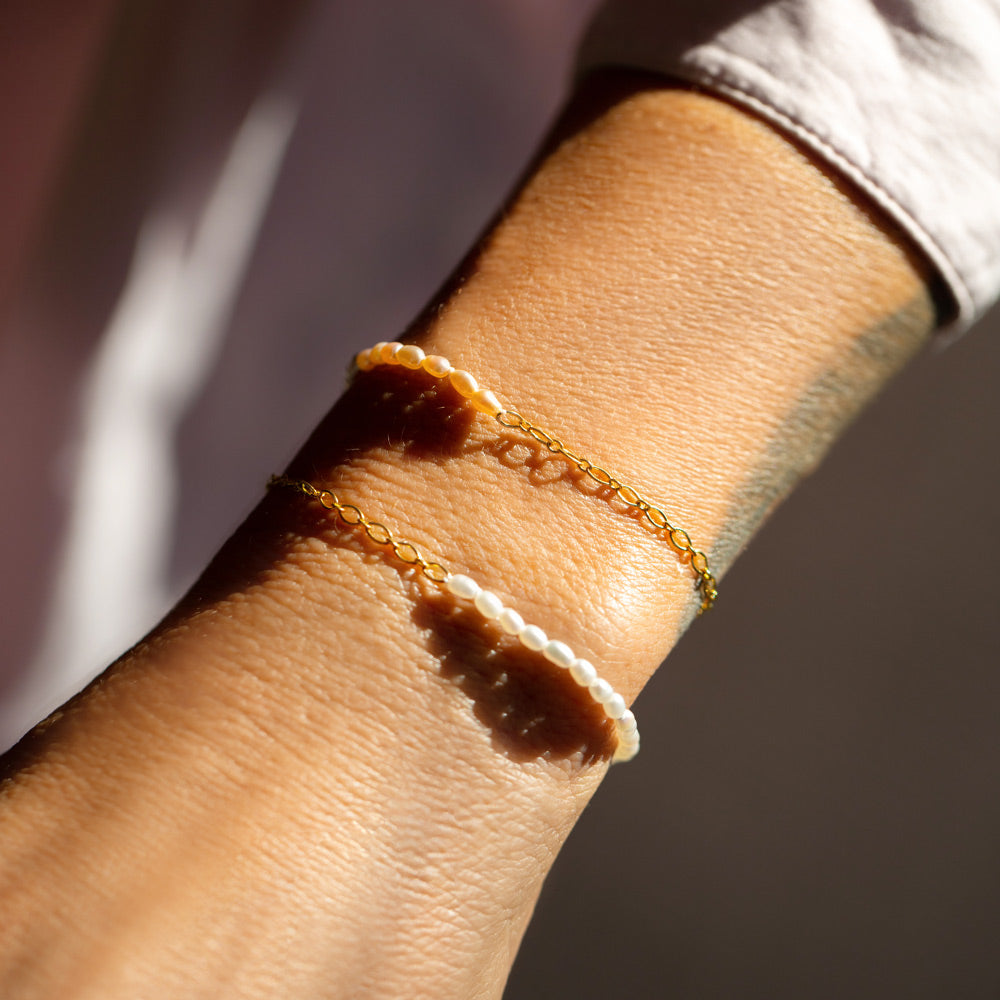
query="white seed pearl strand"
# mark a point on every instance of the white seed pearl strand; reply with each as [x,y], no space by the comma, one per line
[510,621]
[412,357]
[488,604]
[492,608]
[463,586]
[583,672]
[601,690]
[533,638]
[558,653]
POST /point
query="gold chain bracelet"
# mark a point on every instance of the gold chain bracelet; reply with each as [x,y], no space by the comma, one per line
[490,606]
[412,357]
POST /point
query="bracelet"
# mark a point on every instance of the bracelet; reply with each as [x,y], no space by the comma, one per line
[463,587]
[491,607]
[412,357]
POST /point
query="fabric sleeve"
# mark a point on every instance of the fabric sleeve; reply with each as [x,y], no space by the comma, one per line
[901,96]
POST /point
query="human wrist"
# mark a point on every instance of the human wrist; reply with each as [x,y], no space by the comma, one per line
[675,392]
[269,774]
[299,676]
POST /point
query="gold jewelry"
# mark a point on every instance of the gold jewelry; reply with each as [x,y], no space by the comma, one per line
[412,357]
[491,607]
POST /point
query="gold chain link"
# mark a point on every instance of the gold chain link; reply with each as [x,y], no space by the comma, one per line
[629,496]
[377,532]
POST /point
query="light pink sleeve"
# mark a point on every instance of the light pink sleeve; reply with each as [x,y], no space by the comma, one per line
[902,96]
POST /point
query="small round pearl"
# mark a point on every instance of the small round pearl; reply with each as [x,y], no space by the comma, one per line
[533,637]
[363,360]
[627,723]
[601,691]
[410,356]
[510,621]
[615,707]
[488,604]
[629,738]
[463,382]
[583,672]
[388,352]
[463,586]
[437,366]
[558,653]
[486,402]
[375,354]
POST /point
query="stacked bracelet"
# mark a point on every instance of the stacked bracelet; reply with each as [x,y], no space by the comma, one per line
[488,604]
[491,607]
[485,401]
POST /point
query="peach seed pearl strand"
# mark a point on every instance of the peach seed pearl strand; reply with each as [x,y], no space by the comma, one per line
[412,357]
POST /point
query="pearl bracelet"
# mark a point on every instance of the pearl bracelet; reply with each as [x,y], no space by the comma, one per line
[492,608]
[488,604]
[485,401]
[532,637]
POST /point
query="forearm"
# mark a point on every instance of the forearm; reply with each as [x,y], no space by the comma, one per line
[317,749]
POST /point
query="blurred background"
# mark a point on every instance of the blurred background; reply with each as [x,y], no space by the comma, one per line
[209,207]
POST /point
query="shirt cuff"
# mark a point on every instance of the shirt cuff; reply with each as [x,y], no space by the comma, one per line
[902,98]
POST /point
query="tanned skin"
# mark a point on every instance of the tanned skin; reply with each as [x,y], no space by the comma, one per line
[321,777]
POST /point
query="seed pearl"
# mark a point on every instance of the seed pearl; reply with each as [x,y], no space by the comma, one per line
[533,637]
[463,382]
[615,707]
[463,586]
[388,352]
[558,653]
[627,723]
[486,402]
[601,691]
[410,356]
[510,621]
[488,604]
[437,366]
[583,672]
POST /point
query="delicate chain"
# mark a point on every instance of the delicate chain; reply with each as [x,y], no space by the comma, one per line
[412,357]
[628,495]
[491,607]
[354,517]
